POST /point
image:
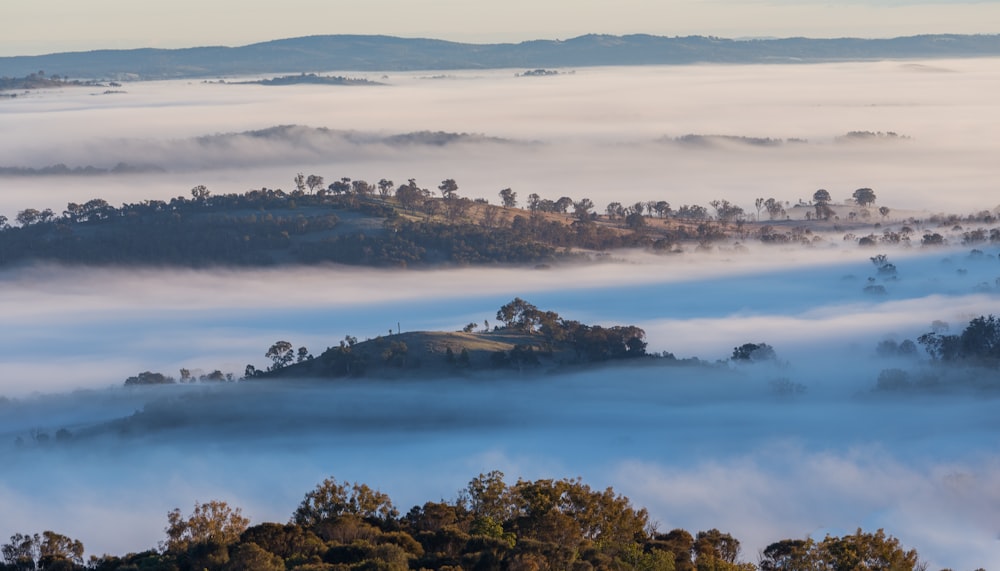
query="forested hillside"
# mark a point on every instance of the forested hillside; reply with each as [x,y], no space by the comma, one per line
[387,225]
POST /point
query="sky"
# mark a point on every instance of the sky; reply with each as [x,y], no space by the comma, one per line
[31,27]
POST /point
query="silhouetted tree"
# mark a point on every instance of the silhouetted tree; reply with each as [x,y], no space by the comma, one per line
[508,198]
[864,196]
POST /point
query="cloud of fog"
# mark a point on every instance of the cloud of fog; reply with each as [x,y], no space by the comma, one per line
[700,447]
[783,491]
[72,327]
[594,134]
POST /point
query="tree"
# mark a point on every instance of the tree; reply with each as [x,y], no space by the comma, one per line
[754,352]
[932,239]
[726,211]
[774,208]
[713,546]
[213,522]
[302,355]
[662,208]
[313,182]
[22,551]
[58,551]
[448,188]
[508,197]
[680,542]
[692,212]
[821,196]
[200,193]
[361,187]
[635,220]
[864,196]
[281,354]
[533,201]
[28,216]
[252,557]
[518,314]
[385,188]
[883,211]
[789,555]
[823,211]
[331,500]
[300,184]
[488,496]
[582,209]
[342,186]
[866,552]
[409,194]
[564,202]
[614,210]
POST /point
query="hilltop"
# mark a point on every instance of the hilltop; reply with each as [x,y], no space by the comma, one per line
[524,339]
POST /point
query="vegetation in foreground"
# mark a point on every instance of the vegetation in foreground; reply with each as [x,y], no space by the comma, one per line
[492,525]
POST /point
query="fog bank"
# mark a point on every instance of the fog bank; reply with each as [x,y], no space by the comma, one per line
[605,133]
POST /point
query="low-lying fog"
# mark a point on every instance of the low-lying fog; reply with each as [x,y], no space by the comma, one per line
[701,447]
[724,446]
[600,133]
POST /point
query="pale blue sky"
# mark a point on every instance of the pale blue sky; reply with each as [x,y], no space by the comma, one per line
[45,26]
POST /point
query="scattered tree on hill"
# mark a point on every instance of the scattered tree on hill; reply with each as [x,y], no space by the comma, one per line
[200,193]
[774,208]
[385,188]
[692,212]
[314,181]
[448,188]
[726,211]
[864,196]
[281,355]
[508,198]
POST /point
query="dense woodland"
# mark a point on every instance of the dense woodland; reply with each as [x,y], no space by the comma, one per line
[356,222]
[558,525]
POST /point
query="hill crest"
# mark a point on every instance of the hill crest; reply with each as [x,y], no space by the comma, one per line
[390,53]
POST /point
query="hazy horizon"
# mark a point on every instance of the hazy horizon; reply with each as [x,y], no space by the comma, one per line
[46,26]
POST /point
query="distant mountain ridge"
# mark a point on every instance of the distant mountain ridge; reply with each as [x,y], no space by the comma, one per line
[389,53]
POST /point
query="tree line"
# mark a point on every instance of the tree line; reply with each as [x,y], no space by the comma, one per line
[491,525]
[417,226]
